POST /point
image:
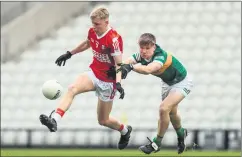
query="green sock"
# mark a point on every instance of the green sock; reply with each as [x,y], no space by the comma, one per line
[158,140]
[180,132]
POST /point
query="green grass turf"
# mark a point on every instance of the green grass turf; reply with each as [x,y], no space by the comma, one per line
[108,152]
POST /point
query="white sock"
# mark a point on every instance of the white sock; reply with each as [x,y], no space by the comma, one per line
[56,116]
[124,130]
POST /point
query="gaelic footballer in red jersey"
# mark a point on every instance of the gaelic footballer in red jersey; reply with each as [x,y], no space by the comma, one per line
[107,47]
[104,48]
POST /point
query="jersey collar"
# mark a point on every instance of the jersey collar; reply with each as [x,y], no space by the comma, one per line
[99,37]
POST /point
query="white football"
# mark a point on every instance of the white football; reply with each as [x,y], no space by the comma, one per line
[52,89]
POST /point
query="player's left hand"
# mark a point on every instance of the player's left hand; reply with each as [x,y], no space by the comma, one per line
[120,89]
[125,68]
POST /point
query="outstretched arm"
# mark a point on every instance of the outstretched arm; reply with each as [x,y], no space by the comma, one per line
[81,47]
[127,66]
[130,60]
[147,69]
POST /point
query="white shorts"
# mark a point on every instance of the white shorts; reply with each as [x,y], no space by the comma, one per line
[104,90]
[184,87]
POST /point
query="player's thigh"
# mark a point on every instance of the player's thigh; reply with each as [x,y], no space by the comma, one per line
[103,109]
[178,92]
[173,98]
[82,84]
[165,89]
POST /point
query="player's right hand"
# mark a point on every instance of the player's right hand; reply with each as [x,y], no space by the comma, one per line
[120,90]
[63,58]
[125,69]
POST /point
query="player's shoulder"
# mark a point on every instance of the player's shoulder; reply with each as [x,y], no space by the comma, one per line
[159,51]
[159,54]
[91,30]
[113,34]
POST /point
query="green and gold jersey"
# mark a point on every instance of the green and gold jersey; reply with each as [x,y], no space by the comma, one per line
[171,72]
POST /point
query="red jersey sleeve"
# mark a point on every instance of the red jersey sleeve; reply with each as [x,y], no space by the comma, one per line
[116,44]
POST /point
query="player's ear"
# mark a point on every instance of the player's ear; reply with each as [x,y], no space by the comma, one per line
[154,47]
[107,22]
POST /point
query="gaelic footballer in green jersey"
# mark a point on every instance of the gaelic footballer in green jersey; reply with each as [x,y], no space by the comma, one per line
[176,85]
[171,70]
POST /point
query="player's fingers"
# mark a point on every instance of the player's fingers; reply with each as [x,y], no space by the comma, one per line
[121,91]
[122,95]
[120,64]
[124,75]
[59,63]
[119,70]
[58,59]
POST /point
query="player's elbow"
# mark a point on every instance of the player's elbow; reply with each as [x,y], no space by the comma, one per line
[148,71]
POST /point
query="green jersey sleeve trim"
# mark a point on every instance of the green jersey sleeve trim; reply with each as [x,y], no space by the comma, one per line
[160,58]
[136,57]
[157,61]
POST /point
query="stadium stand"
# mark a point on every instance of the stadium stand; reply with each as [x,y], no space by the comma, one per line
[204,36]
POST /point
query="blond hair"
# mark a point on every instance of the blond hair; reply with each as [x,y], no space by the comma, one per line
[100,12]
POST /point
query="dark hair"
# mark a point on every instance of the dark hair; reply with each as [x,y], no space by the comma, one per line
[147,39]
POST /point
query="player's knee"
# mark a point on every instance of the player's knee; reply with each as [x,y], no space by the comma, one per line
[72,90]
[164,109]
[103,122]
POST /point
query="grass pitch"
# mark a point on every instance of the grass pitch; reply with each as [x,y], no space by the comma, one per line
[109,152]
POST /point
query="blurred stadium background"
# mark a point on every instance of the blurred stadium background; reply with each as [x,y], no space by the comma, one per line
[205,36]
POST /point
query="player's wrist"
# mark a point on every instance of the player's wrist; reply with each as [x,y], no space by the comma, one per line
[118,85]
[69,53]
[131,66]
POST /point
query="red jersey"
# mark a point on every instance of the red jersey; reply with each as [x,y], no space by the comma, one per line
[104,48]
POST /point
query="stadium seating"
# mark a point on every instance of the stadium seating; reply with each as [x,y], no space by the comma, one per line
[205,37]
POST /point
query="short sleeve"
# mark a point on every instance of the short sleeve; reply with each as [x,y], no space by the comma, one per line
[159,59]
[116,46]
[136,57]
